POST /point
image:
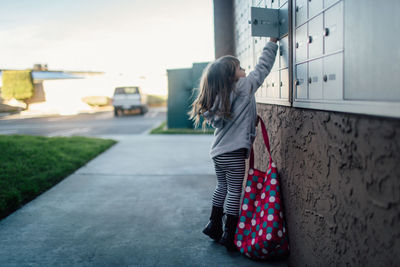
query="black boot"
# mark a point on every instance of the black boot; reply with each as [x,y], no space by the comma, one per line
[214,226]
[228,236]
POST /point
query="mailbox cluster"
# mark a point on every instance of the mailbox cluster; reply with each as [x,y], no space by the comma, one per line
[320,55]
[318,50]
[276,87]
[248,49]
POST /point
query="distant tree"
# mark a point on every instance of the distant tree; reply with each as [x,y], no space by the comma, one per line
[17,84]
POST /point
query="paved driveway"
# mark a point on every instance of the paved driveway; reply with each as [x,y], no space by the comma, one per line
[141,203]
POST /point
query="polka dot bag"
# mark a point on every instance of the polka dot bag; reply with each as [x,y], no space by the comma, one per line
[261,232]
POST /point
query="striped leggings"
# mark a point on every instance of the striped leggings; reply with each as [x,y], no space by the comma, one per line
[230,169]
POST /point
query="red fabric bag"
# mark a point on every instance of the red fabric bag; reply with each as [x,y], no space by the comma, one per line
[261,231]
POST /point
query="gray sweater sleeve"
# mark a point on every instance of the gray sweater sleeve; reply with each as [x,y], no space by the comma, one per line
[256,78]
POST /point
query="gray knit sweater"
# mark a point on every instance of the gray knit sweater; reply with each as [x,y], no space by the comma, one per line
[239,131]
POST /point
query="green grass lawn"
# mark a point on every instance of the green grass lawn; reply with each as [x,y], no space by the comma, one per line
[162,129]
[30,165]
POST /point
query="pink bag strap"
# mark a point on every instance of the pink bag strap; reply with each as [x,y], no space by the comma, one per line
[266,142]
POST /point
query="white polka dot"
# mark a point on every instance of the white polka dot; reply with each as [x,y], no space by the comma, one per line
[239,244]
[260,232]
[262,213]
[273,165]
[253,241]
[248,189]
[281,214]
[269,236]
[253,222]
[251,171]
[280,233]
[248,255]
[256,203]
[244,207]
[259,185]
[272,199]
[262,195]
[273,181]
[241,225]
[264,251]
[270,217]
[284,229]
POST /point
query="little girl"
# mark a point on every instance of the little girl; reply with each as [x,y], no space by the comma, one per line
[226,101]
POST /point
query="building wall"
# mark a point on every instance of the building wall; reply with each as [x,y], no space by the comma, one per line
[340,177]
[339,171]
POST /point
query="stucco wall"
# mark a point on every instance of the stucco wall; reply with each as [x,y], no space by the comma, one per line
[340,175]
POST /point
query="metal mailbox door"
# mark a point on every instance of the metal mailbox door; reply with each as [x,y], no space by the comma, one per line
[284,84]
[328,3]
[301,11]
[301,81]
[314,6]
[334,28]
[315,79]
[284,52]
[301,43]
[315,36]
[269,88]
[333,77]
[275,84]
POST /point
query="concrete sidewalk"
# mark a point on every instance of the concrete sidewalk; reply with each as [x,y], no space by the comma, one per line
[143,202]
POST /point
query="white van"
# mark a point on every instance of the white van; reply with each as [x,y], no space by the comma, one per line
[129,98]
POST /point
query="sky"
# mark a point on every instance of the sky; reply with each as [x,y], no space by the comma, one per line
[128,37]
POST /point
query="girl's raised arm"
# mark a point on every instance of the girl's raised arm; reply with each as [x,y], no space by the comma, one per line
[263,67]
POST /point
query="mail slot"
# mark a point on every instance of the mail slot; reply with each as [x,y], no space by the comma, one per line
[315,79]
[316,37]
[284,52]
[333,77]
[284,84]
[301,11]
[301,81]
[301,43]
[314,6]
[333,30]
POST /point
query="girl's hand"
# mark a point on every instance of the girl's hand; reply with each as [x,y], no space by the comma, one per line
[273,39]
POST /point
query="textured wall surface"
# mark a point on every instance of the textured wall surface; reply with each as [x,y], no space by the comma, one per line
[340,175]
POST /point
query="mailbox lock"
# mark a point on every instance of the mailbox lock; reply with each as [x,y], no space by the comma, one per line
[297,8]
[281,83]
[255,22]
[309,39]
[325,78]
[297,82]
[326,31]
[280,51]
[273,84]
[309,80]
[297,44]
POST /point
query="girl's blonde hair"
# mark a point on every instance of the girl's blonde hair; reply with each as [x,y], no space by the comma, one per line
[218,79]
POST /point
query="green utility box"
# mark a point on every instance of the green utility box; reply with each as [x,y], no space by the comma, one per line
[182,91]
